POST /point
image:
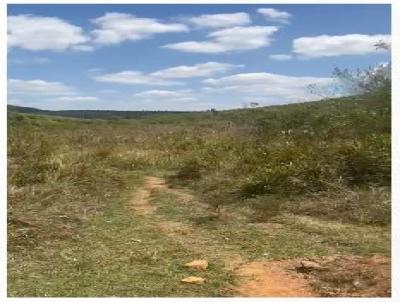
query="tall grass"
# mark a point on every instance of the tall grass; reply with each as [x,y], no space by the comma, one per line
[300,156]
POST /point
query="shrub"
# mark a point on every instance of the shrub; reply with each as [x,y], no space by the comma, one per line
[366,161]
[31,173]
[188,171]
[218,189]
[294,168]
[32,156]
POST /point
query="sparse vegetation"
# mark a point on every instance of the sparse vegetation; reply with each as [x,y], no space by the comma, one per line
[321,170]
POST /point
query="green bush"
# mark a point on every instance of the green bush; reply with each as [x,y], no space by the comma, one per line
[366,161]
[31,173]
[187,172]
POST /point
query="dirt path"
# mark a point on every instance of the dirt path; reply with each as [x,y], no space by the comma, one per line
[141,200]
[140,203]
[254,279]
[183,233]
[269,279]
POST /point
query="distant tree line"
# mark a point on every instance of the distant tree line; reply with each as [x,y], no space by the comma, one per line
[90,114]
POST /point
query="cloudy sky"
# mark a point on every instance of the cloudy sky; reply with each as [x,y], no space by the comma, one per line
[184,57]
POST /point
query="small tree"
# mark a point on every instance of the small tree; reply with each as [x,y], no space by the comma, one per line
[324,92]
[359,81]
[363,81]
[382,45]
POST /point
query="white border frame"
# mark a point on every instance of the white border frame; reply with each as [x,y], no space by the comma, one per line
[395,141]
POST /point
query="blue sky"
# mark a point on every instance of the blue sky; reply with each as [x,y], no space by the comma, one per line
[184,57]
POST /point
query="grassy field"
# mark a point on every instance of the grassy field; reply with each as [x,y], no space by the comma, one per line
[273,183]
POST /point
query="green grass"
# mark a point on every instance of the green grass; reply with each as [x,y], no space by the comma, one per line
[345,237]
[320,169]
[116,253]
[298,236]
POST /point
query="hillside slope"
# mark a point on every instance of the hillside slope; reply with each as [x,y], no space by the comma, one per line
[116,207]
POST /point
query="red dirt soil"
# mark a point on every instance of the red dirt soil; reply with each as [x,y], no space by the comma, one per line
[268,279]
[329,276]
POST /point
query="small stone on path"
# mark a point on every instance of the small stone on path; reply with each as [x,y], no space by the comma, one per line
[310,265]
[199,265]
[193,280]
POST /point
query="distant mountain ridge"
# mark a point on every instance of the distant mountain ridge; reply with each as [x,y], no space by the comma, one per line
[88,114]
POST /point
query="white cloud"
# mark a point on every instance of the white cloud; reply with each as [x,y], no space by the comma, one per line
[327,46]
[161,77]
[132,77]
[199,47]
[221,20]
[198,70]
[115,28]
[77,98]
[183,95]
[272,14]
[230,39]
[167,99]
[43,33]
[84,48]
[38,87]
[45,94]
[280,88]
[281,57]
